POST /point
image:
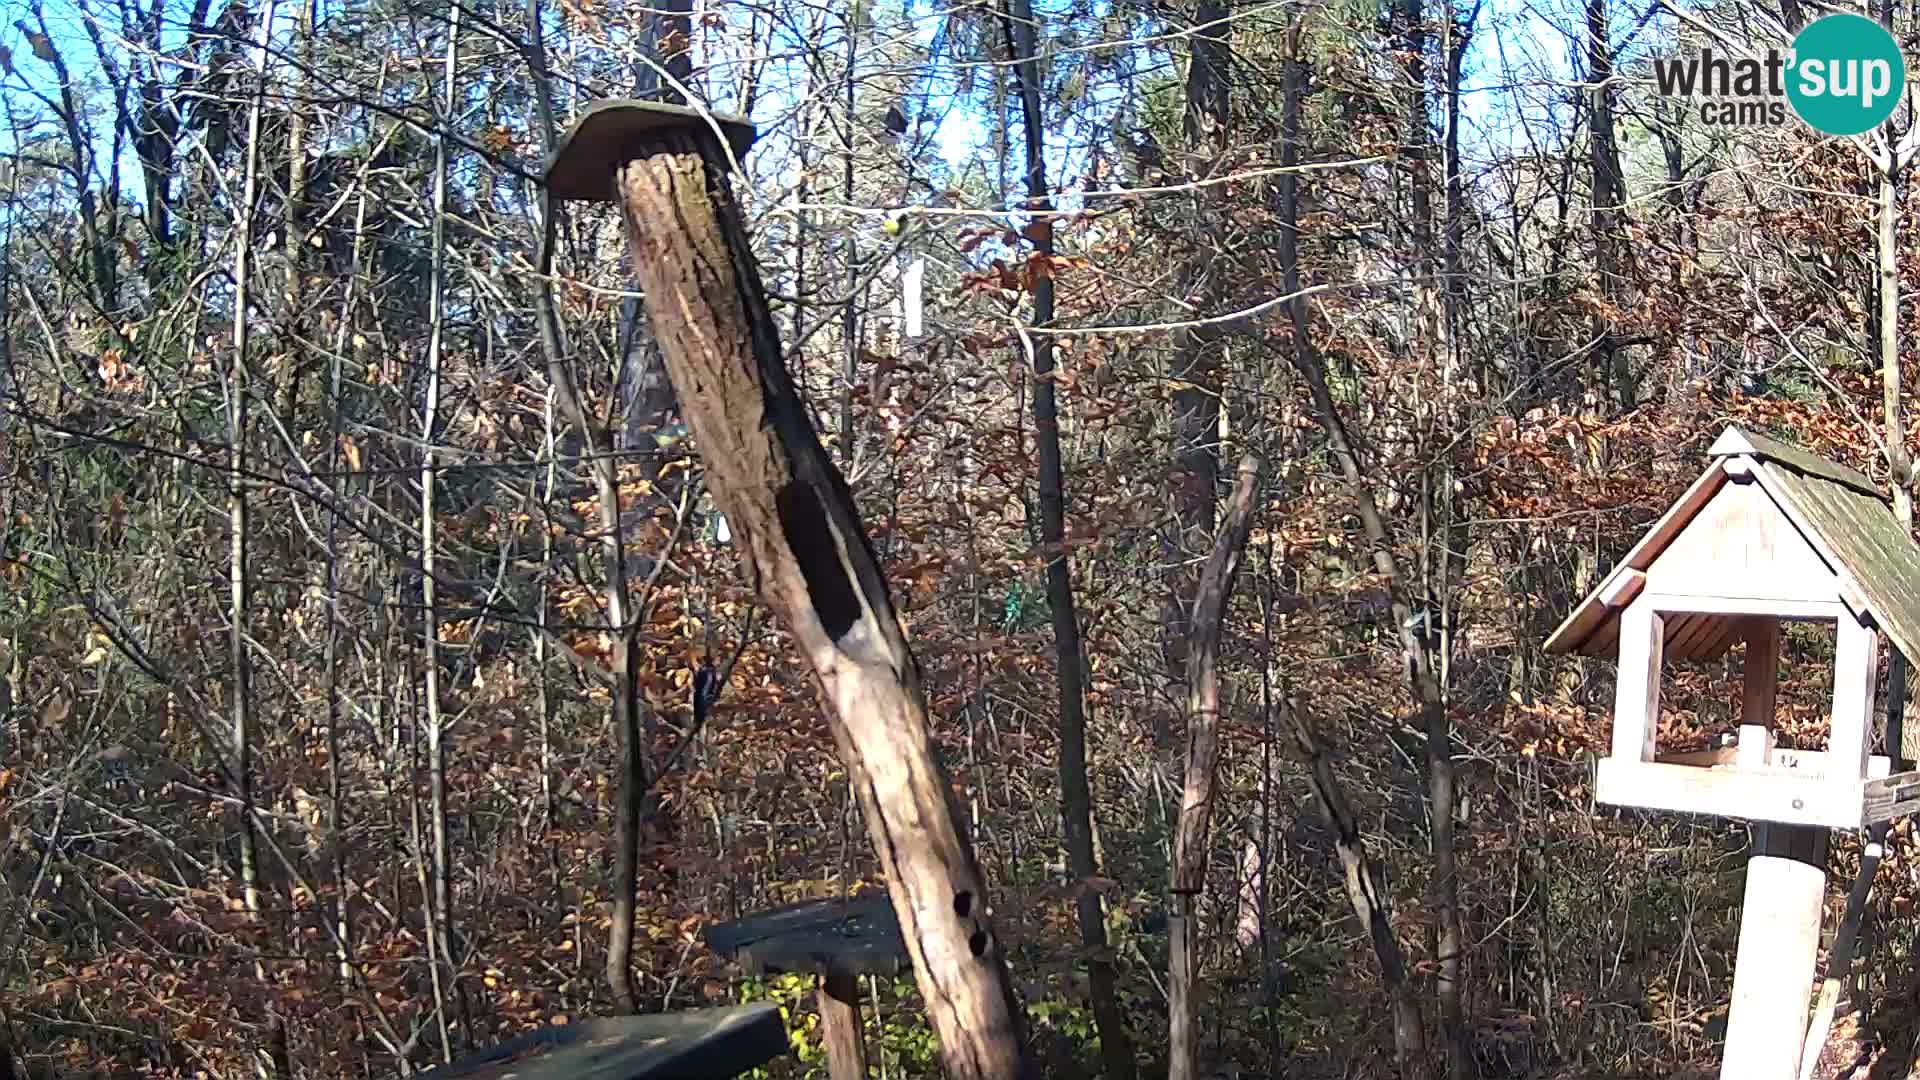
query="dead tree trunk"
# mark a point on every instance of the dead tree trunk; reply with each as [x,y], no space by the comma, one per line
[1190,845]
[794,519]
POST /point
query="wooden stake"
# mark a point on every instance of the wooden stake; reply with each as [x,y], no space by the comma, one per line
[839,1000]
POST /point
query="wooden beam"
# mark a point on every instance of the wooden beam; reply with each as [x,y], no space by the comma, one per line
[1622,587]
[1759,683]
[1579,625]
[1856,670]
[1745,605]
[1738,468]
[1770,795]
[1779,944]
[1700,759]
[1636,698]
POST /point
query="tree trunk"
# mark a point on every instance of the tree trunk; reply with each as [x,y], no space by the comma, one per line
[439,902]
[1192,841]
[1196,368]
[239,392]
[1076,795]
[1366,893]
[1609,202]
[629,727]
[1346,457]
[794,519]
[1853,920]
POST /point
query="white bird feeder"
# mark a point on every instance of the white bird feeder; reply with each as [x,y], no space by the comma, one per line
[1768,534]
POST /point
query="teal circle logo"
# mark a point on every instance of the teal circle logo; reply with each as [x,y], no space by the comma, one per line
[1846,74]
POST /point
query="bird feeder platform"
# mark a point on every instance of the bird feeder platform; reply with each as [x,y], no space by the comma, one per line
[606,133]
[697,1044]
[835,940]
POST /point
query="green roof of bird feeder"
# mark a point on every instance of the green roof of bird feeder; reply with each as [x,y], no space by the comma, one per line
[605,136]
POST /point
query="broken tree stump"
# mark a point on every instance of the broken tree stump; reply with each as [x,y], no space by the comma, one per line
[836,941]
[794,519]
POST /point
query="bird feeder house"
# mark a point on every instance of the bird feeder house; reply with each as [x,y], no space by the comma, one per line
[1768,534]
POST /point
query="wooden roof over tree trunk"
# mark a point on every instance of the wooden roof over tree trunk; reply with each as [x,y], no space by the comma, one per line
[1806,528]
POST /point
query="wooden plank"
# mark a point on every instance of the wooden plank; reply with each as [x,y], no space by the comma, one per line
[1636,697]
[846,1044]
[1605,641]
[1856,668]
[1726,632]
[1889,797]
[1590,614]
[854,936]
[1872,554]
[1774,961]
[1756,796]
[1803,610]
[602,139]
[1683,643]
[697,1043]
[1622,587]
[1725,755]
[1735,441]
[1759,686]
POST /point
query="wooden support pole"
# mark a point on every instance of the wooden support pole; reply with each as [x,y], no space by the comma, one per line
[1780,916]
[1779,943]
[1856,670]
[794,520]
[839,1001]
[1636,697]
[1759,683]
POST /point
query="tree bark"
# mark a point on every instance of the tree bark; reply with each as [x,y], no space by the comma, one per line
[439,901]
[1076,794]
[794,519]
[1853,922]
[1609,201]
[239,391]
[1191,844]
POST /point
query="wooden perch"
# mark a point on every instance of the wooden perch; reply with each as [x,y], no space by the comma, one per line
[794,519]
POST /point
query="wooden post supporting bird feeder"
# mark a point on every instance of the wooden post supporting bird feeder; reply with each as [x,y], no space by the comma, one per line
[793,517]
[1768,534]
